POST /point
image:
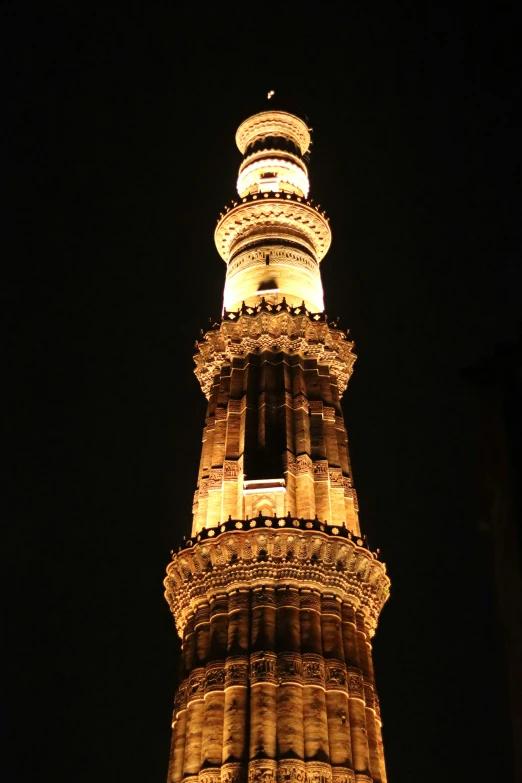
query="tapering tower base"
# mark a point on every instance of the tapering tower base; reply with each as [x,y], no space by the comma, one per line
[276,617]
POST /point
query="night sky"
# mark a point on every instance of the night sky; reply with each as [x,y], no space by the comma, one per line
[121,146]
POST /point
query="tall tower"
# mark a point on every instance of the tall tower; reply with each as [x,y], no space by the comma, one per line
[275,595]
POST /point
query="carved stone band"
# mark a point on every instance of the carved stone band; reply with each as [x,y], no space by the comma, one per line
[210,775]
[263,667]
[355,684]
[262,771]
[312,667]
[289,667]
[291,771]
[336,676]
[318,772]
[196,684]
[343,775]
[233,773]
[214,676]
[236,671]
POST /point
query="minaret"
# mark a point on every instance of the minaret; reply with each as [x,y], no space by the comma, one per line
[275,595]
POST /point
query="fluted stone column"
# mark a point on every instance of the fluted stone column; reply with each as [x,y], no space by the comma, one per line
[336,687]
[237,719]
[290,734]
[263,686]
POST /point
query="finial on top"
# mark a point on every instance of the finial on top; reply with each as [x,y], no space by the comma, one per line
[270,94]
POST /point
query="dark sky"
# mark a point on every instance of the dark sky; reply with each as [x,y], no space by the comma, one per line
[121,146]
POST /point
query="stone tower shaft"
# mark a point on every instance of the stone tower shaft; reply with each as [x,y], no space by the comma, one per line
[275,596]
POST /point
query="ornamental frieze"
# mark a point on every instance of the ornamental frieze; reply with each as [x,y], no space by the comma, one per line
[368,695]
[355,685]
[291,771]
[336,477]
[230,470]
[330,606]
[196,685]
[338,565]
[237,406]
[311,601]
[210,775]
[286,597]
[201,615]
[236,671]
[219,605]
[303,465]
[289,667]
[343,775]
[321,470]
[335,675]
[281,219]
[263,667]
[238,600]
[262,771]
[312,668]
[273,331]
[263,598]
[318,772]
[214,676]
[233,773]
[215,479]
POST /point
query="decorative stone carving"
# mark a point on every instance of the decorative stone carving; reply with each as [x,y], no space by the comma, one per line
[263,667]
[281,219]
[289,668]
[291,771]
[355,685]
[262,771]
[284,596]
[214,676]
[230,470]
[316,407]
[343,775]
[318,772]
[263,598]
[312,667]
[236,671]
[311,601]
[196,687]
[328,413]
[210,775]
[303,465]
[216,478]
[238,600]
[196,571]
[203,488]
[321,470]
[261,331]
[368,695]
[336,477]
[330,606]
[237,406]
[201,614]
[335,675]
[233,773]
